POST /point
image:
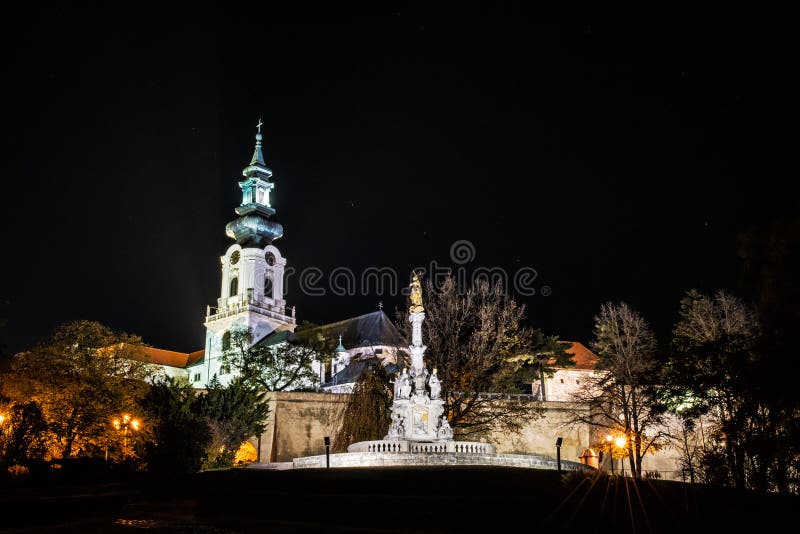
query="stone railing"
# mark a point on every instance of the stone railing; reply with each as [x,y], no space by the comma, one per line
[246,305]
[425,447]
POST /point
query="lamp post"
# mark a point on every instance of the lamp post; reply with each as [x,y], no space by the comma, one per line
[559,441]
[620,443]
[609,439]
[126,424]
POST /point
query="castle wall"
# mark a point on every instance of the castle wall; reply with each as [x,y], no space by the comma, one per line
[298,423]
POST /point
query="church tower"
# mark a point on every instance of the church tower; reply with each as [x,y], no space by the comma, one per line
[251,295]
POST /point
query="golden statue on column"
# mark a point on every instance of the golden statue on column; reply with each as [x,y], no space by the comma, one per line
[416,295]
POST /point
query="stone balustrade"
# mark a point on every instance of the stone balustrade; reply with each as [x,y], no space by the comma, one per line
[428,447]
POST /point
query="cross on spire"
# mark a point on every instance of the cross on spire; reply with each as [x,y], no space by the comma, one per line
[380,304]
[259,125]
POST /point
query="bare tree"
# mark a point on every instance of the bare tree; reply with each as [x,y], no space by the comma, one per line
[474,339]
[623,391]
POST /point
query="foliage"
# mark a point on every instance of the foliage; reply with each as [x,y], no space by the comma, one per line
[623,393]
[476,341]
[715,345]
[82,377]
[367,414]
[191,430]
[22,433]
[233,413]
[548,355]
[280,366]
[180,438]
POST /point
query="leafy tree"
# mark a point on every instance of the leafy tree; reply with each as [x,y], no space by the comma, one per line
[367,414]
[280,366]
[191,430]
[22,433]
[623,394]
[82,377]
[179,438]
[234,414]
[476,341]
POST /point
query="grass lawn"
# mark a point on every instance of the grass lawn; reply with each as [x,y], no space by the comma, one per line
[403,499]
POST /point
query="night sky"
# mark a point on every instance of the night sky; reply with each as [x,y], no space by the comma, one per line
[618,161]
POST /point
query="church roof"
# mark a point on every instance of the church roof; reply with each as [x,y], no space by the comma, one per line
[275,337]
[356,368]
[363,331]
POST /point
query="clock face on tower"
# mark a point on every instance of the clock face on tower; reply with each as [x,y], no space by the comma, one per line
[234,257]
[270,257]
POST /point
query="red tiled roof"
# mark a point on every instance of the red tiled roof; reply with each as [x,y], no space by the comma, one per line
[581,355]
[171,358]
[195,357]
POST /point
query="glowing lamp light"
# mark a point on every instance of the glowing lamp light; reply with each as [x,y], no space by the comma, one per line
[135,424]
[609,437]
[620,442]
[115,422]
[2,419]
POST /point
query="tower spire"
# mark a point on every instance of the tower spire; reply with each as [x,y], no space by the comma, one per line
[254,227]
[258,154]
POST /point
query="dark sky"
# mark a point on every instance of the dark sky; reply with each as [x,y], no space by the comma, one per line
[618,161]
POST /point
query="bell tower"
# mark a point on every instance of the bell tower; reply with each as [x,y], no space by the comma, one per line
[251,295]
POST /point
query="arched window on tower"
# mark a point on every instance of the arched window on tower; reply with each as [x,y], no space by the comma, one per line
[226,341]
[234,287]
[268,288]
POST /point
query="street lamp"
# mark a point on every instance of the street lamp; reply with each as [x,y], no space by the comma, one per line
[559,441]
[609,439]
[125,424]
[620,443]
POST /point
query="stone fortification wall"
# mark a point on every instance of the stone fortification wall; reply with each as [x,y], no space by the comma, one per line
[299,422]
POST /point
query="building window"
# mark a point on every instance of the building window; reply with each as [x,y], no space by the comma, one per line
[226,341]
[562,380]
[234,287]
[197,377]
[268,287]
[224,369]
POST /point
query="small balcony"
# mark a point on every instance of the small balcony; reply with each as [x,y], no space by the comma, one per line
[233,306]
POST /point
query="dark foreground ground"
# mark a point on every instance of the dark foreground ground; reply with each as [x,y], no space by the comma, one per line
[393,500]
